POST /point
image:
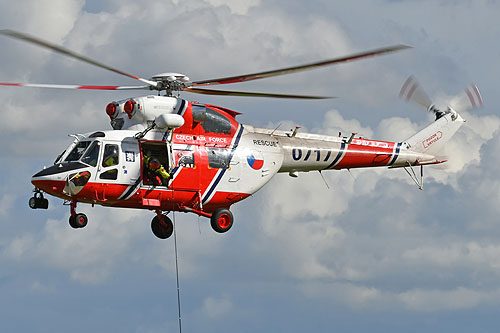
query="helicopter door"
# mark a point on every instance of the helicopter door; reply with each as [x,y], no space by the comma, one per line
[156,163]
[108,168]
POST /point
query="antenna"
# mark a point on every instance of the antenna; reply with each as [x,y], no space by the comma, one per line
[274,130]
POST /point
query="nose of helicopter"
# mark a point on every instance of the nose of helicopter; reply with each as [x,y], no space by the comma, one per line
[50,180]
[48,183]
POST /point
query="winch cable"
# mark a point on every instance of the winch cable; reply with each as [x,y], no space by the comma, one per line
[177,275]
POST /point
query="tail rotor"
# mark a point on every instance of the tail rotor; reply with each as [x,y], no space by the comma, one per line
[470,98]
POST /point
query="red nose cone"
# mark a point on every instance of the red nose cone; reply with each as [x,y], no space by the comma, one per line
[52,187]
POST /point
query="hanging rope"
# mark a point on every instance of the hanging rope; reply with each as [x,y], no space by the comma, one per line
[177,276]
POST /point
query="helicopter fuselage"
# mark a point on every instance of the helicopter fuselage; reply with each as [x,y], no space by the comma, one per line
[213,161]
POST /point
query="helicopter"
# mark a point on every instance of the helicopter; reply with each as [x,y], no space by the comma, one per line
[209,160]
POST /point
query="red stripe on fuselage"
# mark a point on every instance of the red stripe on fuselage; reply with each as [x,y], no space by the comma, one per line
[106,194]
[366,153]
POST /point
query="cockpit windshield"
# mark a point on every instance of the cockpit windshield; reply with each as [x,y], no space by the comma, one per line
[92,154]
[77,151]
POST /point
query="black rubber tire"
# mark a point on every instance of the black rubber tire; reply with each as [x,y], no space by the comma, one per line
[78,221]
[222,220]
[72,222]
[81,220]
[162,229]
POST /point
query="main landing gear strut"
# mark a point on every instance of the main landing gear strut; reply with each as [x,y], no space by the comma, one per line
[77,220]
[221,221]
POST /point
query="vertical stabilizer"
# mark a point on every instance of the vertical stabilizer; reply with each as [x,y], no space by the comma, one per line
[431,139]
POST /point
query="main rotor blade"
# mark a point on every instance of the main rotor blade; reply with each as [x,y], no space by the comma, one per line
[59,49]
[289,70]
[70,86]
[249,94]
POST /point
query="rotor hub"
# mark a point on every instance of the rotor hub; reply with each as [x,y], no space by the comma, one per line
[170,82]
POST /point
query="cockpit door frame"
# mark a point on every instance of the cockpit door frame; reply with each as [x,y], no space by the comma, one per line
[164,155]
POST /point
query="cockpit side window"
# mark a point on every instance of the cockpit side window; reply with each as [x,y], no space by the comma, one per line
[77,151]
[92,154]
[216,122]
[110,157]
[58,159]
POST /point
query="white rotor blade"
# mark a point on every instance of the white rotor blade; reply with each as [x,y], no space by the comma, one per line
[412,92]
[470,98]
[295,69]
[59,49]
[71,86]
[250,94]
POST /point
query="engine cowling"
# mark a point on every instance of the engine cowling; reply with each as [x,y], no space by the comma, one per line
[139,112]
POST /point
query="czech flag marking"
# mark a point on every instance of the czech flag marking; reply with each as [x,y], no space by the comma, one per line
[255,163]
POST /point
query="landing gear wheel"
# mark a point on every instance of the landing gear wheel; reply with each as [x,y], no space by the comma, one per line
[222,220]
[38,201]
[162,227]
[78,221]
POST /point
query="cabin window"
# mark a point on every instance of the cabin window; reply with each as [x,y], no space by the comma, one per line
[92,154]
[218,158]
[58,159]
[185,159]
[110,174]
[97,135]
[216,122]
[110,156]
[78,151]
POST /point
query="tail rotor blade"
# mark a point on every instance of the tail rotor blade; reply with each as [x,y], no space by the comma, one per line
[413,92]
[469,99]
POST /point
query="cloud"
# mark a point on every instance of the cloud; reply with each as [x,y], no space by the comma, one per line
[438,300]
[89,255]
[6,203]
[113,238]
[240,7]
[217,308]
[320,236]
[33,16]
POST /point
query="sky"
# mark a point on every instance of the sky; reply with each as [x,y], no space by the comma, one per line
[372,253]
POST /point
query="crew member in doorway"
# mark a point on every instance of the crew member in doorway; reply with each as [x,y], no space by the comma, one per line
[155,171]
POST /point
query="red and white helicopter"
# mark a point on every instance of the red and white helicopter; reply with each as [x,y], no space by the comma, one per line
[212,160]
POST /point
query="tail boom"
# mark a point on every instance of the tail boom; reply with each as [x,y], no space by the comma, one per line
[433,138]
